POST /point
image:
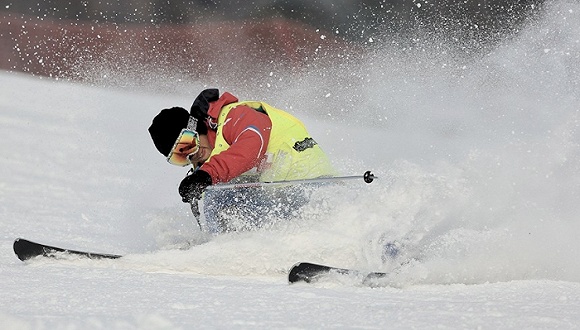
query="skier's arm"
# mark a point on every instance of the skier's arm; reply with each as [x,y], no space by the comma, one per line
[247,131]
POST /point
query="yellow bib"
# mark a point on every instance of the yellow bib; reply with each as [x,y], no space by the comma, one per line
[291,154]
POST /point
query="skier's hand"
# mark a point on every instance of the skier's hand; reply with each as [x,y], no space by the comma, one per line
[193,185]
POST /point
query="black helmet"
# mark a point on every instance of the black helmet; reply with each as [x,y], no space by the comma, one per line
[166,127]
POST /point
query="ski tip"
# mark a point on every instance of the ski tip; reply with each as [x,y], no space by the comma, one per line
[25,249]
[306,272]
[295,274]
[309,273]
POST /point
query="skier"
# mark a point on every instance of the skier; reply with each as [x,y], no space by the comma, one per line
[231,141]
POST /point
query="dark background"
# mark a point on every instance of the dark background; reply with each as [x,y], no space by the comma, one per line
[200,38]
[353,19]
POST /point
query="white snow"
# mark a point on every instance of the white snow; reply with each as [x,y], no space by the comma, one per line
[479,185]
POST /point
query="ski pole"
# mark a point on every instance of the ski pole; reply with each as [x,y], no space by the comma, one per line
[368,177]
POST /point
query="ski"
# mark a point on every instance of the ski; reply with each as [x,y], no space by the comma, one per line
[308,272]
[26,250]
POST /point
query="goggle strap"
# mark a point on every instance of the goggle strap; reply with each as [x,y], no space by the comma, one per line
[192,123]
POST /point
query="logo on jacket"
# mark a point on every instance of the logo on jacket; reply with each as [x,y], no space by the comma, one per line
[304,144]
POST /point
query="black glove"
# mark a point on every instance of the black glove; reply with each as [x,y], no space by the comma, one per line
[193,185]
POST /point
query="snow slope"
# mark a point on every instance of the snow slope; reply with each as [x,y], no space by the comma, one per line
[479,181]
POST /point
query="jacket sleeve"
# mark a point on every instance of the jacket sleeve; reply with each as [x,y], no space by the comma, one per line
[247,131]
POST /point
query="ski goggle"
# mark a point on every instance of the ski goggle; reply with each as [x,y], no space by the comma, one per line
[186,144]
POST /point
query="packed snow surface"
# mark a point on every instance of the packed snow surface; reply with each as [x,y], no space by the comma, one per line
[479,180]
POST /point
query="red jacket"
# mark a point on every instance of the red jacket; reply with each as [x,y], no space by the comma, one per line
[247,131]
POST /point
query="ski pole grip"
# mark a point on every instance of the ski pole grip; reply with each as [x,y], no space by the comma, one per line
[369,177]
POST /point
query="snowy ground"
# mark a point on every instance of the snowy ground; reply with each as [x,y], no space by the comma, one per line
[478,160]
